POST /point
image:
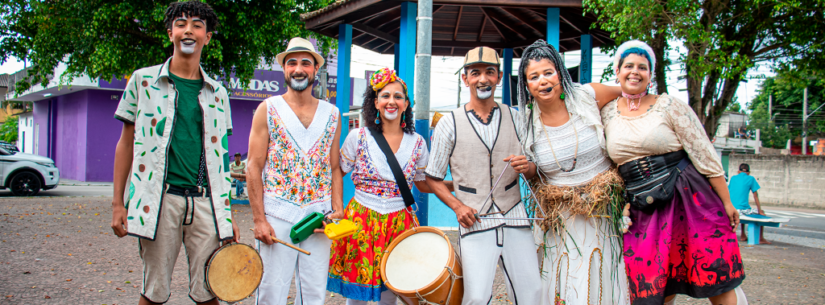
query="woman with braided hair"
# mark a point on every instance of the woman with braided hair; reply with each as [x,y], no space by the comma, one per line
[577,187]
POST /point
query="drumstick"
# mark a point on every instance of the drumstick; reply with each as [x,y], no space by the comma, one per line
[496,184]
[509,218]
[289,245]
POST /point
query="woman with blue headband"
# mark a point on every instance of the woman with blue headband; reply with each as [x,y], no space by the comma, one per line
[578,189]
[682,239]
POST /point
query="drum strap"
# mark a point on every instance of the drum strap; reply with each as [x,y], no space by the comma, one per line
[400,180]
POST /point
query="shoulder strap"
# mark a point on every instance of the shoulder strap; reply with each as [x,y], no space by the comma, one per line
[400,180]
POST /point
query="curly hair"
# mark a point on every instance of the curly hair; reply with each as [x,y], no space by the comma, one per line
[192,8]
[370,113]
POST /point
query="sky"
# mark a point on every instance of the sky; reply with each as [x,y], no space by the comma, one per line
[444,84]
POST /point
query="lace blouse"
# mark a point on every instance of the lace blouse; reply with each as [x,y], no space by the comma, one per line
[670,125]
[375,185]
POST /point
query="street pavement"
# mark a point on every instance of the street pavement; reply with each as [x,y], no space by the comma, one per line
[71,191]
[805,228]
[60,250]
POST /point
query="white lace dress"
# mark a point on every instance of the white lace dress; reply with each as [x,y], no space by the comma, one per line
[576,247]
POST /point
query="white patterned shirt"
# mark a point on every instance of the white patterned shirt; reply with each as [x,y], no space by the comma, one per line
[375,185]
[150,102]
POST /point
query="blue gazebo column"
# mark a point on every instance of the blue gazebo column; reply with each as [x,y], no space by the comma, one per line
[397,56]
[506,97]
[406,70]
[553,27]
[406,46]
[586,65]
[342,100]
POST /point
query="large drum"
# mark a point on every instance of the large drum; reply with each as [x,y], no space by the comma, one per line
[421,264]
[234,271]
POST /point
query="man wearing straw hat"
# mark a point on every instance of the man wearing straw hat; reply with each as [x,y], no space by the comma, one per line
[293,172]
[477,141]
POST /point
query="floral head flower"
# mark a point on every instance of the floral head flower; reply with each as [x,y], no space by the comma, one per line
[384,76]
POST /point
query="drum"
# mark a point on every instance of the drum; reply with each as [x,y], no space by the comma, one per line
[422,264]
[234,271]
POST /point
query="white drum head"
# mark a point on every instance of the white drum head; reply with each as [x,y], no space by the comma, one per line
[417,261]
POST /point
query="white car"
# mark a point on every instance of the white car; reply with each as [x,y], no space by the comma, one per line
[26,174]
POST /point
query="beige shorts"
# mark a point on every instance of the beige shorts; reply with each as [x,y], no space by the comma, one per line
[198,236]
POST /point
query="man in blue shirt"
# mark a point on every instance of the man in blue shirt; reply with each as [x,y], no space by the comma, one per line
[739,187]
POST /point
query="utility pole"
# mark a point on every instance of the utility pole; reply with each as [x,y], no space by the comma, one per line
[805,121]
[770,106]
[423,63]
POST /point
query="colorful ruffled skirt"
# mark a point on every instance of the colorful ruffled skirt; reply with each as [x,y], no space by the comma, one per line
[355,261]
[685,247]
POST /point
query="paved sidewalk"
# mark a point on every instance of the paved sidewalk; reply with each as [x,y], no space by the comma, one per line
[64,181]
[62,251]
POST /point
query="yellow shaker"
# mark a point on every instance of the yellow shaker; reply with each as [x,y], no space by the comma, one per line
[340,229]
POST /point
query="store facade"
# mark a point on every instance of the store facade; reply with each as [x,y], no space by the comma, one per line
[75,125]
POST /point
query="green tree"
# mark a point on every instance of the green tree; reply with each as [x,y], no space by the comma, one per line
[785,120]
[735,106]
[724,39]
[110,39]
[8,131]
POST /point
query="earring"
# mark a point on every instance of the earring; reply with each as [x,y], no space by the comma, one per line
[617,80]
[403,117]
[561,96]
[377,121]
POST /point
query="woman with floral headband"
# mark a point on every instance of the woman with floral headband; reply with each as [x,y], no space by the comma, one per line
[379,208]
[682,238]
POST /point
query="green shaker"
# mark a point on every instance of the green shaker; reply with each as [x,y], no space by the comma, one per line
[304,228]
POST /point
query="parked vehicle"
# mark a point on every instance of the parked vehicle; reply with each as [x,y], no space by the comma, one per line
[8,146]
[26,174]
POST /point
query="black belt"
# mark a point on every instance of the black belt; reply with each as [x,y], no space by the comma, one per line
[189,195]
[644,168]
[189,192]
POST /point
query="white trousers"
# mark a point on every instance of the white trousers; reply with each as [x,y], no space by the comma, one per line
[281,262]
[514,250]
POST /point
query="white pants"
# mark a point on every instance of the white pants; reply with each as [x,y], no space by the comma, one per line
[281,262]
[387,298]
[514,250]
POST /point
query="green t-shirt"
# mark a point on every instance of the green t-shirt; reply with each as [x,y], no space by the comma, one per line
[186,143]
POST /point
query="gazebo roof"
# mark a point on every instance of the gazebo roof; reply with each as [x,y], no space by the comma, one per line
[460,25]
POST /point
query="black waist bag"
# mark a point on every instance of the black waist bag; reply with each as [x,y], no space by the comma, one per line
[650,181]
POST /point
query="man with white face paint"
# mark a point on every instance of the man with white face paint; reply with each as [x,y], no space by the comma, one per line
[293,172]
[177,194]
[477,141]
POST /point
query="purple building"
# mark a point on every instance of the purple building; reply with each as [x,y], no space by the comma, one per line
[75,125]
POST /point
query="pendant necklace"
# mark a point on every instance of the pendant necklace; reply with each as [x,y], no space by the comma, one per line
[630,97]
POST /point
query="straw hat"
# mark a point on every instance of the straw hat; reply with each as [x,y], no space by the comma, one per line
[484,55]
[297,45]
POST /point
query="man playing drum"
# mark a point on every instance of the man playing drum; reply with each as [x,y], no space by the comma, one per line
[477,141]
[176,194]
[293,172]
